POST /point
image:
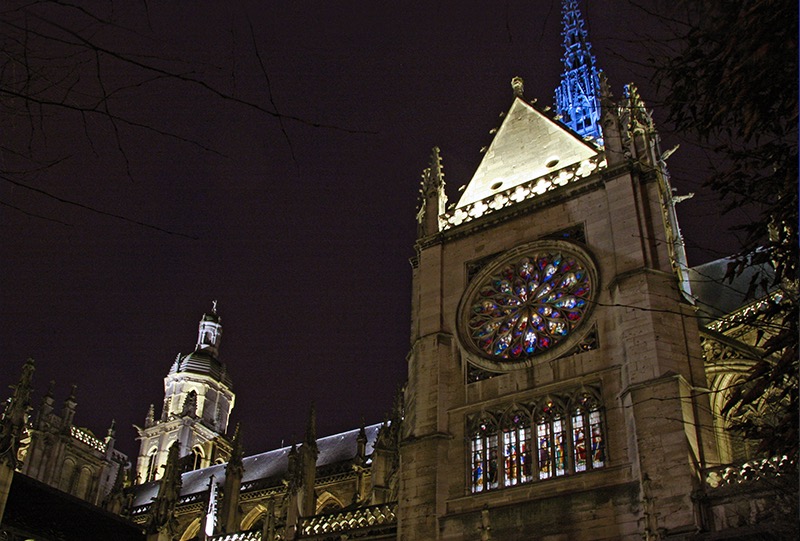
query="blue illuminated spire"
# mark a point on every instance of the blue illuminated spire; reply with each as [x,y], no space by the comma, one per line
[578,97]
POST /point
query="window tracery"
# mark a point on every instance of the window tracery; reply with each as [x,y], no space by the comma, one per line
[527,305]
[484,455]
[530,305]
[551,437]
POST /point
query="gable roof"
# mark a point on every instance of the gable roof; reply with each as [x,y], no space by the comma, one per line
[527,146]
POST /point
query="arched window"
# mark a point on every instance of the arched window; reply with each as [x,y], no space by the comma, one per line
[483,447]
[551,439]
[151,465]
[67,476]
[588,443]
[328,503]
[196,460]
[557,436]
[84,483]
[517,461]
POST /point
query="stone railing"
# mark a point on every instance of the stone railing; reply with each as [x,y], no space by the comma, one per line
[746,313]
[754,470]
[84,437]
[139,510]
[365,517]
[192,498]
[527,190]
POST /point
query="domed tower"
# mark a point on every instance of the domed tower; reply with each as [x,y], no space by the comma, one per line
[198,400]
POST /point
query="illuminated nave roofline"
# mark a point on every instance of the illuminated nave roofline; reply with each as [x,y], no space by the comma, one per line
[270,465]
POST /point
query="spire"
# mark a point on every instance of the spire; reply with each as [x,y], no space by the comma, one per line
[577,99]
[237,453]
[68,412]
[433,197]
[150,418]
[13,419]
[308,458]
[111,435]
[361,445]
[229,510]
[161,516]
[44,415]
[311,431]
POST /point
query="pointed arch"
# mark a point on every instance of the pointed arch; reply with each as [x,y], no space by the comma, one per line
[516,444]
[328,503]
[550,418]
[587,430]
[484,467]
[197,457]
[152,465]
[191,530]
[252,516]
[733,446]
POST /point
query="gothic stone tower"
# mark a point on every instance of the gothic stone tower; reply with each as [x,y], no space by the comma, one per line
[555,381]
[198,399]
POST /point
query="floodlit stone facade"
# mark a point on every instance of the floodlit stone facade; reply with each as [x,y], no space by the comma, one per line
[57,452]
[635,349]
[565,380]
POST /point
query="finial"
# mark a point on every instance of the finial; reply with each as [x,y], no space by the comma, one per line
[433,175]
[214,306]
[518,85]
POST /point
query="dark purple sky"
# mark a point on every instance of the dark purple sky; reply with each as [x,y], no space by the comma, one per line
[304,236]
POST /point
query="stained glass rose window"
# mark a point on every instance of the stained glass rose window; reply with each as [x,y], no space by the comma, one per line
[527,304]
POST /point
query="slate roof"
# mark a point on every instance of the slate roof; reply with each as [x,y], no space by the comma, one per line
[714,295]
[271,465]
[202,362]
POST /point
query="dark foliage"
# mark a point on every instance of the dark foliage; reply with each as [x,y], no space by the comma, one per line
[733,84]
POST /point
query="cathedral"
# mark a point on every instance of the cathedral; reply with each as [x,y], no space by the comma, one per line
[566,380]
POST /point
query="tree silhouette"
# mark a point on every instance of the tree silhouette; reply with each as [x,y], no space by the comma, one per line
[733,84]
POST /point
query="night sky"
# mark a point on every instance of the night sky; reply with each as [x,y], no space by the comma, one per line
[301,227]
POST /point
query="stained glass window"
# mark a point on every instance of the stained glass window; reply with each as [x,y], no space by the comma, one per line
[544,437]
[529,304]
[517,467]
[598,443]
[551,441]
[478,465]
[537,441]
[485,474]
[588,445]
[579,441]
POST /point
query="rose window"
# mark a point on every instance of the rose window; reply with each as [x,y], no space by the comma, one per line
[528,304]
